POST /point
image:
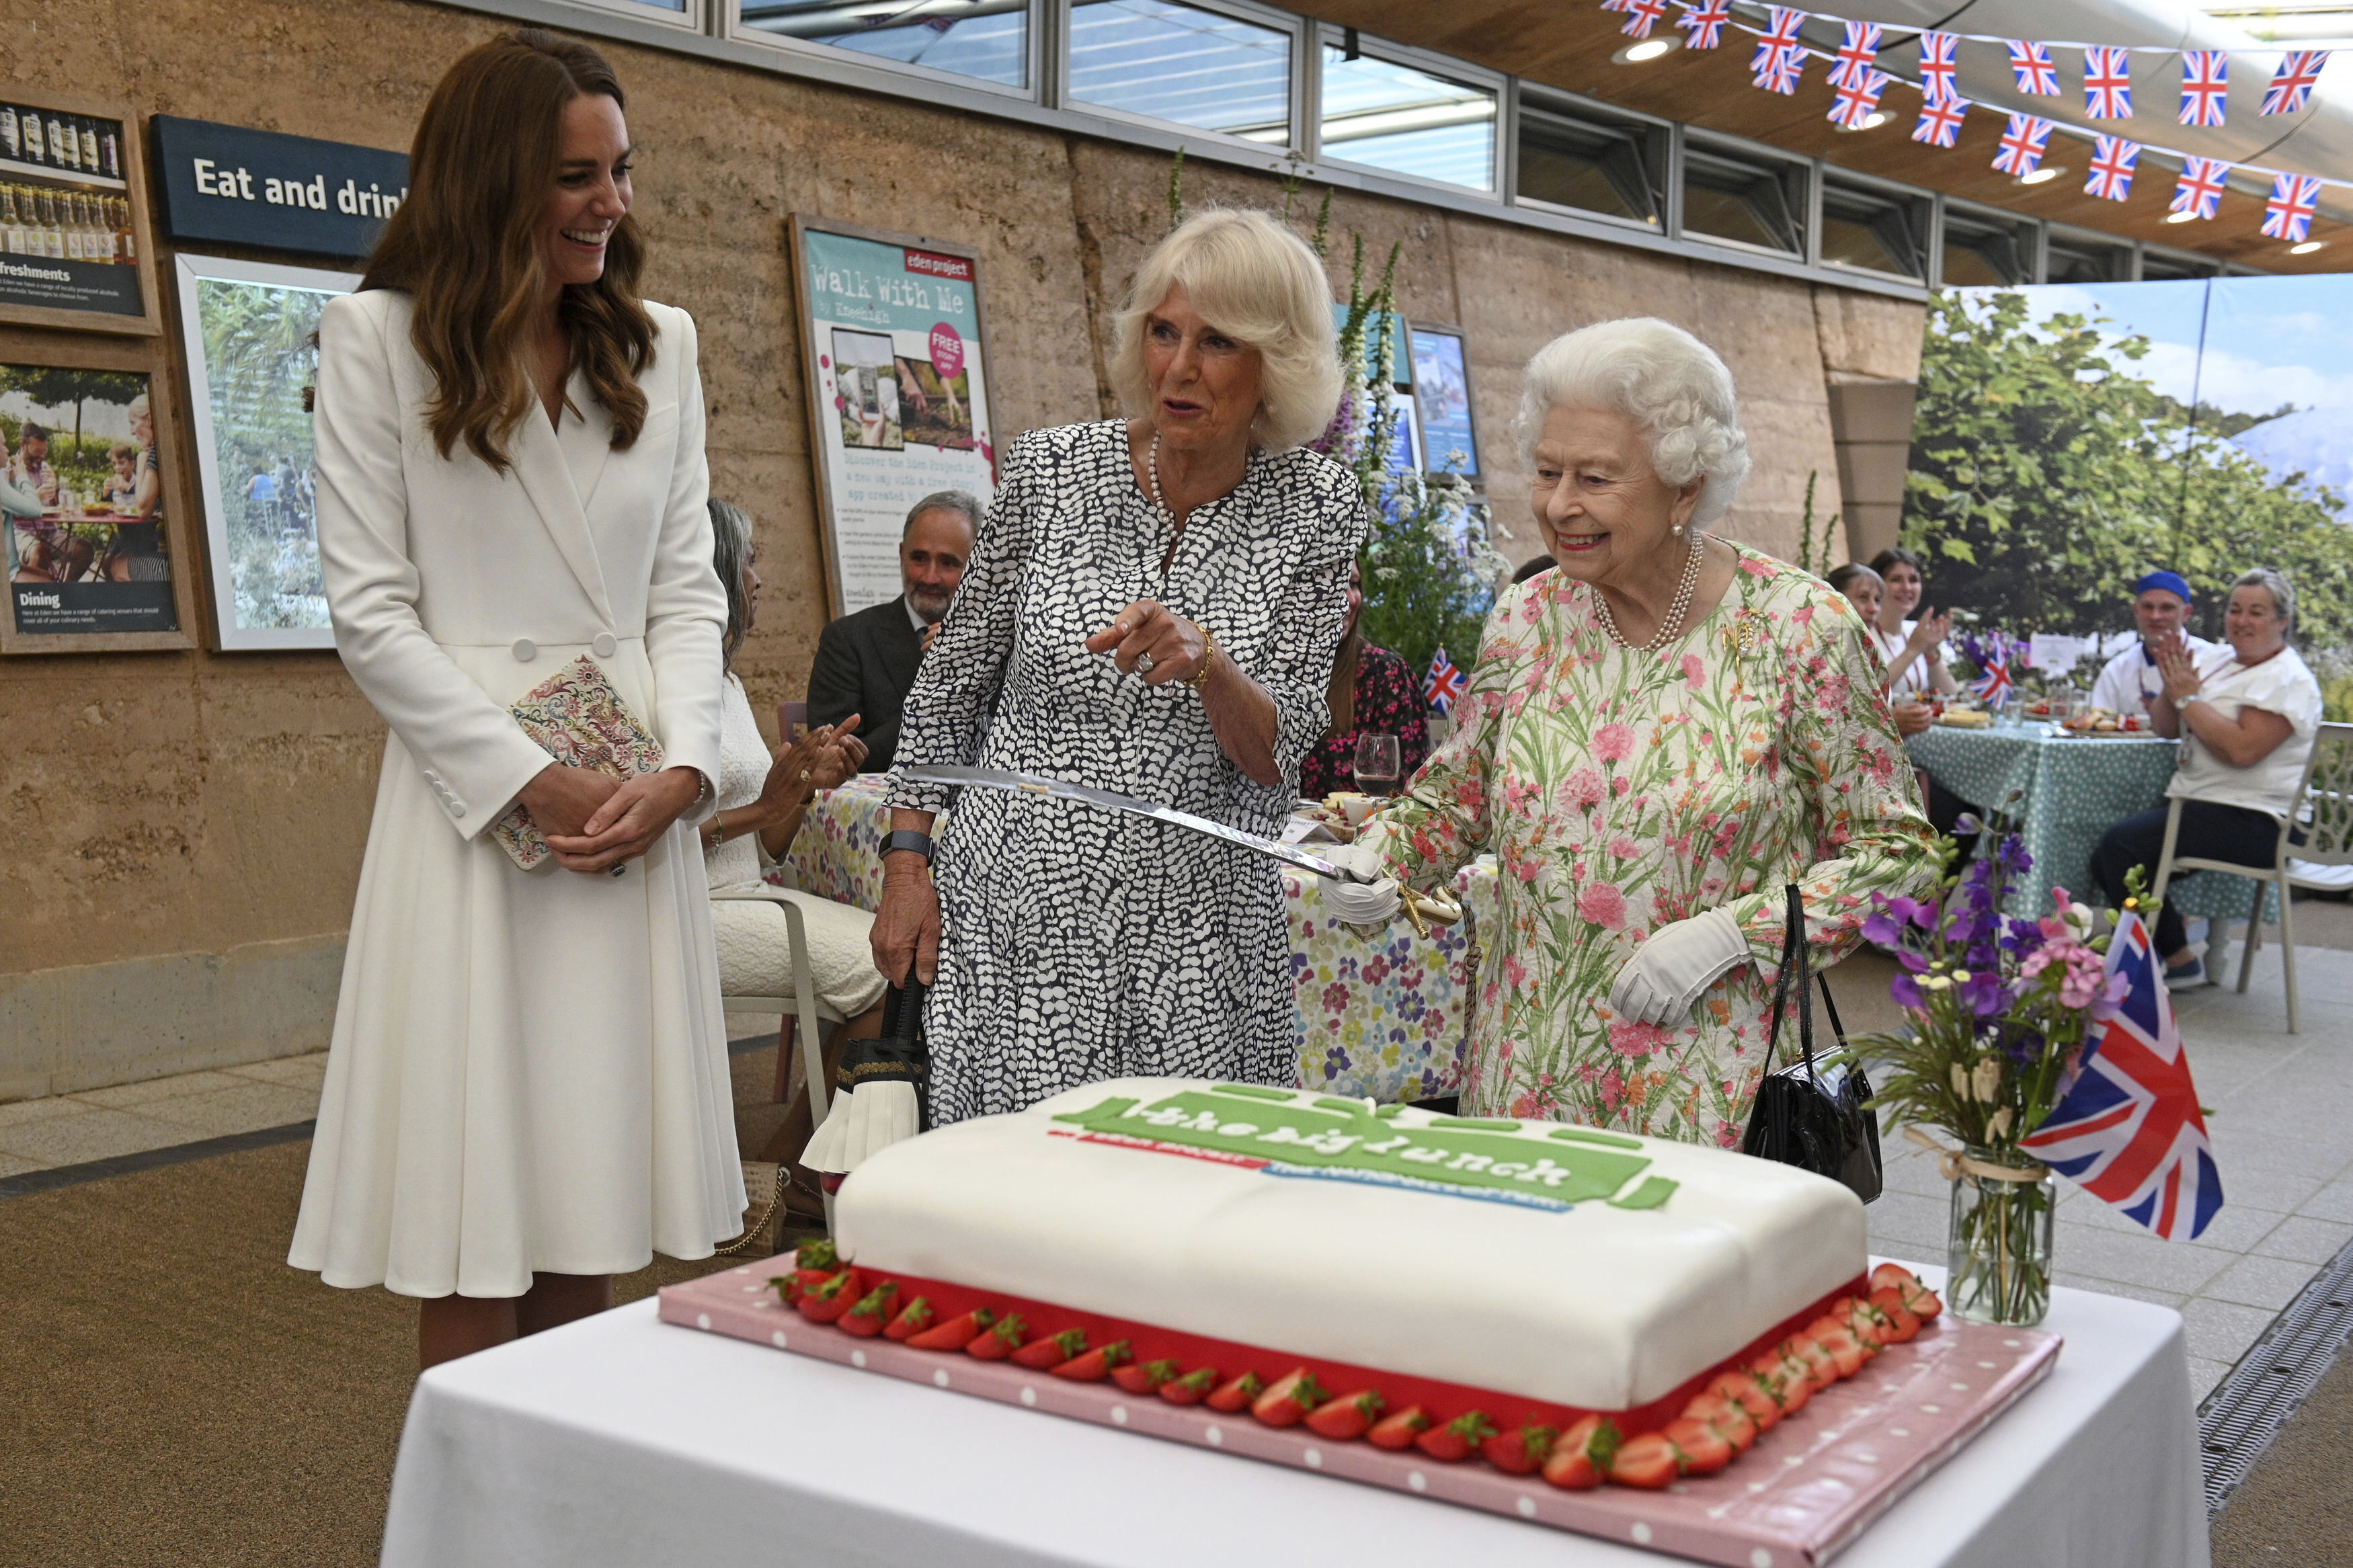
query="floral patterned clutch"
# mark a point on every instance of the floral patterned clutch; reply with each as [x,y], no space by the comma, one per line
[576,717]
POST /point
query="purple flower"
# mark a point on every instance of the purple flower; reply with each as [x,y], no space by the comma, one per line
[1913,962]
[1919,912]
[1906,992]
[1880,929]
[1983,993]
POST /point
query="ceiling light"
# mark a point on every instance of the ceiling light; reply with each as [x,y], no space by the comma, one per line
[2307,248]
[2181,217]
[1648,49]
[2047,172]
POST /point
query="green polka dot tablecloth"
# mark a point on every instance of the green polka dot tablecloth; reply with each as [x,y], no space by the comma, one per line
[2074,790]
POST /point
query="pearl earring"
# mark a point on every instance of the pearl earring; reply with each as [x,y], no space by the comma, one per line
[1679,531]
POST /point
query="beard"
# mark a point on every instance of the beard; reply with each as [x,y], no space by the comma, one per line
[929,602]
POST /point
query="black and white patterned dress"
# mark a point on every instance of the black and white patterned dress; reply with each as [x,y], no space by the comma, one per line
[1080,944]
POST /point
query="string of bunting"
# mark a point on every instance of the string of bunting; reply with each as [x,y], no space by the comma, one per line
[1779,61]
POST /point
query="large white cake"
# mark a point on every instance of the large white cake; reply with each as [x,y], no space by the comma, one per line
[1583,1269]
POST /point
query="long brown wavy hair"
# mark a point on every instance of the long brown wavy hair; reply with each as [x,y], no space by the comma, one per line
[465,245]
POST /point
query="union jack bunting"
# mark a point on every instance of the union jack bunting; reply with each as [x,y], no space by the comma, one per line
[1856,100]
[1613,4]
[1937,65]
[1702,24]
[2113,158]
[2199,189]
[1443,687]
[2292,83]
[1778,40]
[2288,214]
[1856,56]
[1782,73]
[1940,122]
[1642,15]
[2108,83]
[2036,74]
[2022,145]
[2205,85]
[2128,1131]
[1995,685]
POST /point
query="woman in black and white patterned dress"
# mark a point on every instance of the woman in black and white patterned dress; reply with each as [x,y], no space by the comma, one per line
[1151,608]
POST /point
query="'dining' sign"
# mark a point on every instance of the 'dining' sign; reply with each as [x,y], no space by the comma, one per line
[274,192]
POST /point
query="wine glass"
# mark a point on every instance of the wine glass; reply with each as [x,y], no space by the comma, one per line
[1376,763]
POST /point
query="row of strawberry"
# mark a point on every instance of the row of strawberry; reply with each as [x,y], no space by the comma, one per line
[1718,1425]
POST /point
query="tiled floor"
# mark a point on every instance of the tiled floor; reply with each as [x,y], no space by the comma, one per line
[2283,1141]
[2282,1134]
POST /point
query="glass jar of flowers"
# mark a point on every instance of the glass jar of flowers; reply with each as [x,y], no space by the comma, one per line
[1998,1007]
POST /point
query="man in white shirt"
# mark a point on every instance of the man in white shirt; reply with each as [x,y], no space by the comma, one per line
[2130,682]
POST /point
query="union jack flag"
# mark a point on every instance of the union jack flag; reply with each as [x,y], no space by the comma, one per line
[2022,145]
[1777,40]
[1940,122]
[1856,100]
[2036,74]
[2292,83]
[2108,83]
[1995,685]
[1613,4]
[2199,190]
[2113,158]
[1642,15]
[1703,23]
[2128,1131]
[1443,687]
[1856,56]
[2205,85]
[1782,73]
[2288,214]
[1938,67]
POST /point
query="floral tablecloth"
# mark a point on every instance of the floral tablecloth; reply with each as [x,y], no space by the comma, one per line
[2074,791]
[1384,1015]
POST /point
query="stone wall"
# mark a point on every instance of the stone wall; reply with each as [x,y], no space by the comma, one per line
[184,830]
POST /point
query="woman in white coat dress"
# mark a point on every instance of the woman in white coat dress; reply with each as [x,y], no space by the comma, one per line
[528,1091]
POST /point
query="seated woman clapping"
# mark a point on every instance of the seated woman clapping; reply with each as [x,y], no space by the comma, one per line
[1866,590]
[761,801]
[2246,715]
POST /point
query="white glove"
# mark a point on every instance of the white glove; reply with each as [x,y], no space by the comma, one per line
[1681,959]
[1370,896]
[861,1124]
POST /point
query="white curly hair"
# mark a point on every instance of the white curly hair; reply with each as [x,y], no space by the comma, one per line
[1670,385]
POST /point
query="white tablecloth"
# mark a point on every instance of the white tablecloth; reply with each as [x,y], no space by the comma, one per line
[626,1441]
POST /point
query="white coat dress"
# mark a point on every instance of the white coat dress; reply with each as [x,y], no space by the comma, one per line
[529,1070]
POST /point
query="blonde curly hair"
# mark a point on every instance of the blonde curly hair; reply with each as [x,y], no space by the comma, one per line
[1670,385]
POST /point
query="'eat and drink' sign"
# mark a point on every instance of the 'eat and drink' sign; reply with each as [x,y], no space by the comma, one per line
[273,192]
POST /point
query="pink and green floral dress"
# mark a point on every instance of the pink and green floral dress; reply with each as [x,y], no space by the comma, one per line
[1622,791]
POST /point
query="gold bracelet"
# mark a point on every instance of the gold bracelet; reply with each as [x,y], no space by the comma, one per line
[1200,676]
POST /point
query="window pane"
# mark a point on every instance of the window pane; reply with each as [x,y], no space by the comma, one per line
[2069,264]
[989,39]
[1175,63]
[1859,230]
[1726,199]
[1981,255]
[1968,269]
[1394,117]
[1575,164]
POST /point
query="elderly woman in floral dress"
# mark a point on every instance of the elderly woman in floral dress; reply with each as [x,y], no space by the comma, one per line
[1660,735]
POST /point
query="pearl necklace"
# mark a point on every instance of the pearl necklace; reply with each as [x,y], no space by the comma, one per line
[1672,626]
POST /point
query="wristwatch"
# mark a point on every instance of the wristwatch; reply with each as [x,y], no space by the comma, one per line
[908,838]
[2186,698]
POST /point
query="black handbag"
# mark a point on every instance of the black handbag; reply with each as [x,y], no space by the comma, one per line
[1816,1118]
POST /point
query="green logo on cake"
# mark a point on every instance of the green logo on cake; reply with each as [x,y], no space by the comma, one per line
[1288,1134]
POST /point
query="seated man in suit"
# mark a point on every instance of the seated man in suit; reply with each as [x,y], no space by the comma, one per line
[866,662]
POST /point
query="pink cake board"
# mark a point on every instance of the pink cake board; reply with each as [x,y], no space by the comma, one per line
[1804,1491]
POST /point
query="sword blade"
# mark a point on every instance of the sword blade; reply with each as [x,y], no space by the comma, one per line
[1111,800]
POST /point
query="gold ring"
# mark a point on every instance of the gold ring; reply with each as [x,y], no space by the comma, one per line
[805,775]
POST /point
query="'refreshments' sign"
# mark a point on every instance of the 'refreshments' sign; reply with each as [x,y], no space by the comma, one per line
[273,192]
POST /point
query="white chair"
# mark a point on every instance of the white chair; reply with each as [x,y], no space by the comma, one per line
[804,1006]
[2327,791]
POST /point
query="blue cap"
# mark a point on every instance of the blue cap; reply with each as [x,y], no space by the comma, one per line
[2173,583]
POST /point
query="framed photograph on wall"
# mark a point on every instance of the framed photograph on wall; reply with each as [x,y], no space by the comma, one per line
[74,244]
[897,356]
[249,327]
[87,489]
[1442,386]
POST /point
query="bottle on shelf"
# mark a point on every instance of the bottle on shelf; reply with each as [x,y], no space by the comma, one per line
[101,218]
[12,230]
[110,150]
[12,143]
[28,128]
[52,234]
[89,147]
[65,149]
[129,250]
[96,244]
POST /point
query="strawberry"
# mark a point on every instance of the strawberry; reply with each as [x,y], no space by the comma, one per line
[873,1310]
[1521,1451]
[1051,1352]
[1581,1455]
[1398,1429]
[956,1332]
[1892,1276]
[1725,1416]
[1789,1379]
[1191,1388]
[1922,1303]
[800,1282]
[1743,1389]
[1816,1362]
[912,1320]
[1144,1379]
[1288,1398]
[1004,1337]
[1699,1449]
[1840,1345]
[1918,1300]
[1094,1366]
[1648,1460]
[1455,1440]
[1902,1323]
[1348,1417]
[817,1252]
[1234,1395]
[831,1299]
